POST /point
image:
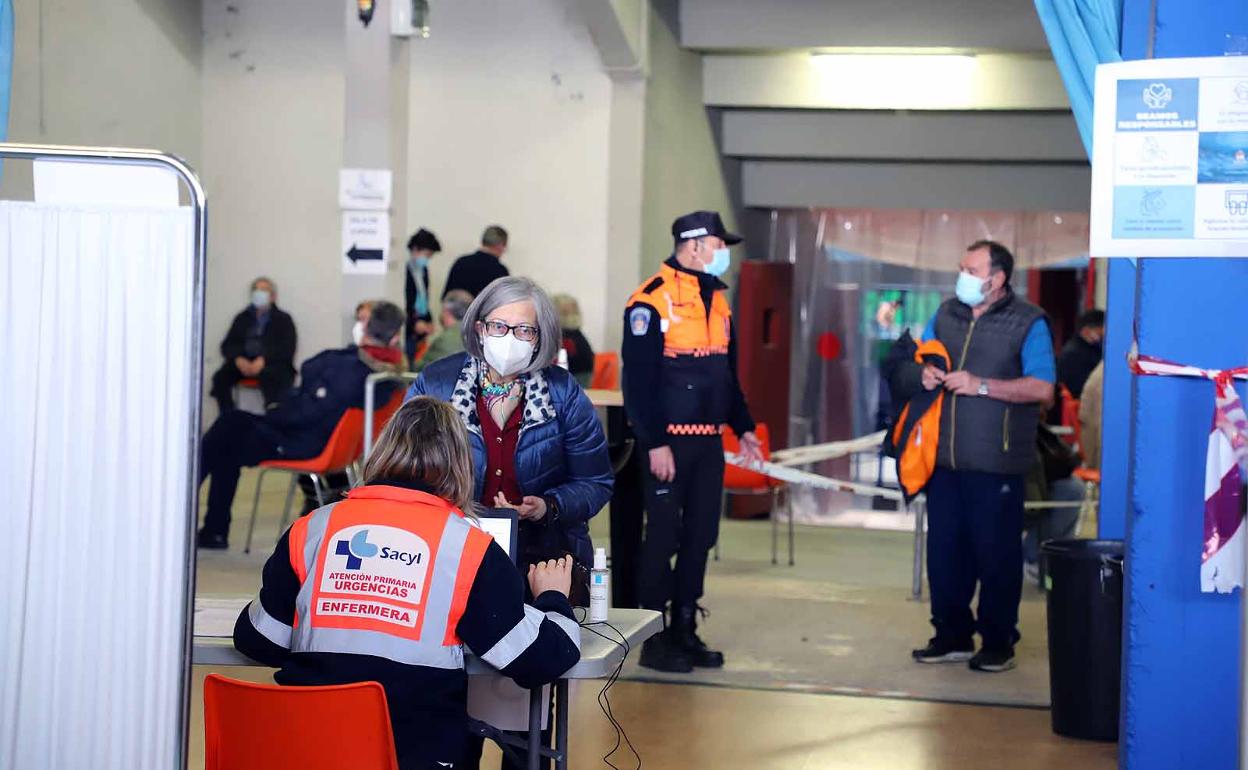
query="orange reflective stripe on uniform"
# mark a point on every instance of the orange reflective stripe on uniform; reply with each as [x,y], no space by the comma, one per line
[298,537]
[695,430]
[478,541]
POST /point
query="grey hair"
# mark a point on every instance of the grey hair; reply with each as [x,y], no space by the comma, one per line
[494,235]
[456,302]
[506,291]
[266,279]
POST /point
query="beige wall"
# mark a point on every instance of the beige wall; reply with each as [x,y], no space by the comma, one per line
[272,138]
[510,119]
[682,164]
[122,73]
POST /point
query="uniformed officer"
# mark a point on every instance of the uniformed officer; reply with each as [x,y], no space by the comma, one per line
[680,389]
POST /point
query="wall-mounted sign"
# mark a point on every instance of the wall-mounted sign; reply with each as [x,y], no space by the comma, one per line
[365,241]
[364,188]
[1170,159]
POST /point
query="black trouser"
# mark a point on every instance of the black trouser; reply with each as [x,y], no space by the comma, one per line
[975,534]
[236,440]
[682,520]
[274,382]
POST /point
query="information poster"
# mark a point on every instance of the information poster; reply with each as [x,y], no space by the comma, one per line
[365,242]
[1170,159]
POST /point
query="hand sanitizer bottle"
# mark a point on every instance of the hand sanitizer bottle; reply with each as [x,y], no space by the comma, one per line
[599,587]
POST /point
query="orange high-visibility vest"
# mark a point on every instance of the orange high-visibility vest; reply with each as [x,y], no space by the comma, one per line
[917,436]
[697,381]
[385,572]
[687,331]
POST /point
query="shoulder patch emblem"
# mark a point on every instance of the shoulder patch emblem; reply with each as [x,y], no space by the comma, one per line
[639,321]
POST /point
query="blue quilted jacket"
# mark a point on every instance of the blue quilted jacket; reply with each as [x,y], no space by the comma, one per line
[561,453]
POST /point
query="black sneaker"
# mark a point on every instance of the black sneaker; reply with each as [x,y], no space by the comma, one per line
[661,652]
[992,661]
[940,651]
[213,542]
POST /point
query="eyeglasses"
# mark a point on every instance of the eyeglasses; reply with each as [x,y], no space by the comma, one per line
[523,332]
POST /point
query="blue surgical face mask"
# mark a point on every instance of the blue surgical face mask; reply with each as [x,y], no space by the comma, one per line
[719,264]
[970,290]
[420,261]
[260,299]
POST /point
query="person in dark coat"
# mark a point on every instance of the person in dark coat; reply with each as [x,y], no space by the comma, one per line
[1083,352]
[299,426]
[558,475]
[420,248]
[580,352]
[261,345]
[473,272]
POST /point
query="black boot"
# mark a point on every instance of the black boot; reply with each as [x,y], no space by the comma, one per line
[663,652]
[685,627]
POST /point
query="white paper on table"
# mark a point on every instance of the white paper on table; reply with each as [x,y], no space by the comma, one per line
[216,617]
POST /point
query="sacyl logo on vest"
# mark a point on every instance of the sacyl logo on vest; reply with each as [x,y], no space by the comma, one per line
[358,548]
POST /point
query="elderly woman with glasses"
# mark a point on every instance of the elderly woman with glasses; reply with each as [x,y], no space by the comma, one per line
[537,444]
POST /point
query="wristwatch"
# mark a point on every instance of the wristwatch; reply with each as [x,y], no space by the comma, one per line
[983,387]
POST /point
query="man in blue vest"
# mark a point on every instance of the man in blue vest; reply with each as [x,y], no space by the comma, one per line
[1002,377]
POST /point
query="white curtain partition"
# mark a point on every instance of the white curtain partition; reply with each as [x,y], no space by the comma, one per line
[96,309]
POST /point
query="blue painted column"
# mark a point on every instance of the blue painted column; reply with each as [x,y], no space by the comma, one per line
[1181,647]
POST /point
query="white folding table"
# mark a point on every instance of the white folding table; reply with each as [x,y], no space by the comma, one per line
[214,646]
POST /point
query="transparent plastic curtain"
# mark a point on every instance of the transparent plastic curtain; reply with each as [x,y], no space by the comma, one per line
[94,412]
[865,276]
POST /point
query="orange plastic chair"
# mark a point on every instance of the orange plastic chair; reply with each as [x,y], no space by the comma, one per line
[250,726]
[382,416]
[606,372]
[1070,414]
[738,481]
[342,449]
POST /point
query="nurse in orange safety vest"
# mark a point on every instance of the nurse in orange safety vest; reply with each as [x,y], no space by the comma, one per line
[680,390]
[391,584]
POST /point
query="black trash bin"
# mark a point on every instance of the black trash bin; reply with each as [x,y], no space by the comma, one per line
[1084,586]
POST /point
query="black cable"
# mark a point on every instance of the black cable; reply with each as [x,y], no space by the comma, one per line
[604,699]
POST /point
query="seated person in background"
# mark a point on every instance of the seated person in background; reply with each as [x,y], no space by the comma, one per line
[362,313]
[417,487]
[580,353]
[298,428]
[1090,418]
[336,484]
[1050,480]
[1083,352]
[451,339]
[260,344]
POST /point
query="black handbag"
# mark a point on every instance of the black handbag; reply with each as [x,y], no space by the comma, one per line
[1058,458]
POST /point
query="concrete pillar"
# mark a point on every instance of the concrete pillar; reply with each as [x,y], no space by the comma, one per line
[1182,658]
[377,71]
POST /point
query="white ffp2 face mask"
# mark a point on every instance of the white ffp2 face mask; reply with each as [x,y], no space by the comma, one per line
[357,333]
[507,355]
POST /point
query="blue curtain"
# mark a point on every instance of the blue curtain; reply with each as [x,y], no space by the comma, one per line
[1082,34]
[6,64]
